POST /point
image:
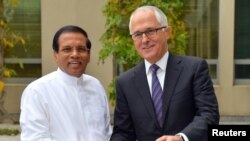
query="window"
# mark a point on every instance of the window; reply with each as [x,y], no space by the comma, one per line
[242,42]
[26,20]
[202,23]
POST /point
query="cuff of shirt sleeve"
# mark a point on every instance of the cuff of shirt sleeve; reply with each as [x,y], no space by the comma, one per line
[184,136]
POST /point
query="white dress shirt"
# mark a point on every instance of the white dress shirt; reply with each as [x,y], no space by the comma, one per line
[162,63]
[60,107]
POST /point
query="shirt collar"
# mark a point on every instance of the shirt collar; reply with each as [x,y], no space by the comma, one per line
[162,63]
[69,79]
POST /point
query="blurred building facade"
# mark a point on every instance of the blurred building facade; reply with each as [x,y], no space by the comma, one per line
[216,30]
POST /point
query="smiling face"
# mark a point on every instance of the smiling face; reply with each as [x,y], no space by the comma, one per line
[72,56]
[153,48]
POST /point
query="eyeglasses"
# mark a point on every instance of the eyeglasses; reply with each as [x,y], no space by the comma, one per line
[149,33]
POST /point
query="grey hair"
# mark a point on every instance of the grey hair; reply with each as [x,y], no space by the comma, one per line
[160,16]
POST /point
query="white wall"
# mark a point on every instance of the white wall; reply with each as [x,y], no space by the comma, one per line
[84,13]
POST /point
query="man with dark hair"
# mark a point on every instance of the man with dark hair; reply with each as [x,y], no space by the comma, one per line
[67,104]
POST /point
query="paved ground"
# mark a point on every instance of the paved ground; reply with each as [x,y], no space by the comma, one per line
[10,138]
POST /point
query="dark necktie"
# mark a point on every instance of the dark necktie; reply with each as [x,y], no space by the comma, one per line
[156,93]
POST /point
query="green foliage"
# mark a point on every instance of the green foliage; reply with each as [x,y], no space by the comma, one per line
[10,132]
[111,92]
[9,39]
[117,42]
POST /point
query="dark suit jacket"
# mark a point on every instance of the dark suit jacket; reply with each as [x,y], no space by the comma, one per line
[189,102]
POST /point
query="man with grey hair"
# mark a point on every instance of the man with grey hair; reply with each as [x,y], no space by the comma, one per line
[165,97]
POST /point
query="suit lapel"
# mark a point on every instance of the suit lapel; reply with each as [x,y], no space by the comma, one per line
[141,84]
[171,77]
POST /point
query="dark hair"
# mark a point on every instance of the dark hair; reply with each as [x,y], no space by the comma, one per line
[69,28]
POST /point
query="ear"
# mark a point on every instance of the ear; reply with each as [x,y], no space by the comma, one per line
[168,32]
[89,57]
[55,56]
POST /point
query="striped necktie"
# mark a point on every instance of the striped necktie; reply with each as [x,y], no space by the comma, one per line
[156,93]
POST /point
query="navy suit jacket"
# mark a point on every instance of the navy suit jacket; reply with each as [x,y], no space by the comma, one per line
[189,102]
